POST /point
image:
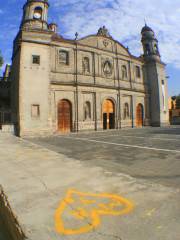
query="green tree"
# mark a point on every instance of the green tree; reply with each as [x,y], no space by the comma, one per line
[178,102]
[173,98]
[1,60]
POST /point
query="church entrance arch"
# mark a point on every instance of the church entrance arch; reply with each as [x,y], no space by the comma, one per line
[139,115]
[108,114]
[64,116]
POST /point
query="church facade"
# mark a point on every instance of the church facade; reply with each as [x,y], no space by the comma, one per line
[61,85]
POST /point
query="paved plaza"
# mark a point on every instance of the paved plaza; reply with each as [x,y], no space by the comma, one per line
[96,186]
[151,153]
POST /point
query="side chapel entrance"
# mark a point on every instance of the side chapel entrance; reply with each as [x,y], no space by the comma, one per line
[64,116]
[0,120]
[139,115]
[108,114]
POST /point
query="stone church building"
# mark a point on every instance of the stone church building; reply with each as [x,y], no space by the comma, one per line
[61,85]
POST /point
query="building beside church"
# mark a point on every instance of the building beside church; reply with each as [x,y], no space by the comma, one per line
[5,99]
[174,111]
[92,83]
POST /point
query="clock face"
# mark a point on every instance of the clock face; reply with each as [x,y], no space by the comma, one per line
[37,15]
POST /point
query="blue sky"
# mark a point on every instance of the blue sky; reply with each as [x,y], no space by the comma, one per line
[123,18]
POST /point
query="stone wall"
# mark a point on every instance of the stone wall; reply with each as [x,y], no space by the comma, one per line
[92,72]
[8,219]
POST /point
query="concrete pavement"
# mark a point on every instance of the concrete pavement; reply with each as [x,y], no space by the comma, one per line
[56,197]
[150,153]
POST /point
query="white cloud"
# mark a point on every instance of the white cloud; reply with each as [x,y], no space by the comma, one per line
[124,19]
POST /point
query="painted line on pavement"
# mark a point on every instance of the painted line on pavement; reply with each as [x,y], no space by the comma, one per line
[129,136]
[124,145]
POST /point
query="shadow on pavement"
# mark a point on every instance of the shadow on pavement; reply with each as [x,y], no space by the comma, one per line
[175,131]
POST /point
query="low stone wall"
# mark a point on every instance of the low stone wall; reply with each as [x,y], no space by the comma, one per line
[8,219]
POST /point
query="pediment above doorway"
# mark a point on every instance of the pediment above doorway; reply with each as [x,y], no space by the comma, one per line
[104,41]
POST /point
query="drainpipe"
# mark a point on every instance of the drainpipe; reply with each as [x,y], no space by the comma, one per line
[77,101]
[119,94]
[95,103]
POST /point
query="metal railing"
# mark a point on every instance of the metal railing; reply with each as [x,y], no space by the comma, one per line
[5,117]
[4,79]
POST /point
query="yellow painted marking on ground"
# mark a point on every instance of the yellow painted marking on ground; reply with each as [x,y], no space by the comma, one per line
[85,201]
[86,210]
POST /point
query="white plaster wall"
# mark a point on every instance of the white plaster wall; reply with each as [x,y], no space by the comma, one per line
[34,88]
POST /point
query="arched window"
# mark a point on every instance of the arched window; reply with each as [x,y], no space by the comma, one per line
[147,49]
[163,95]
[87,110]
[156,48]
[86,65]
[38,13]
[126,111]
[138,72]
[124,72]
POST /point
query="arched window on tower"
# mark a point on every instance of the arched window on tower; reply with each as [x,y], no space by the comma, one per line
[156,48]
[124,72]
[87,111]
[163,95]
[38,13]
[126,111]
[86,65]
[147,49]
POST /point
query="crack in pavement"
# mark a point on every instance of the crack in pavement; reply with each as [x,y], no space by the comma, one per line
[109,235]
[90,224]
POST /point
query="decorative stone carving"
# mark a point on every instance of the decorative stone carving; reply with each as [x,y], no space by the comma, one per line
[107,68]
[103,31]
[86,65]
[63,57]
[87,111]
[126,111]
[105,43]
[124,72]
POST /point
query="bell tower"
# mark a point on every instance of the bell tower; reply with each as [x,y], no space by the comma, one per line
[150,43]
[35,14]
[156,80]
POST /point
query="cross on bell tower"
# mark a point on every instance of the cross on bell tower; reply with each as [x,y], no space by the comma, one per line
[35,14]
